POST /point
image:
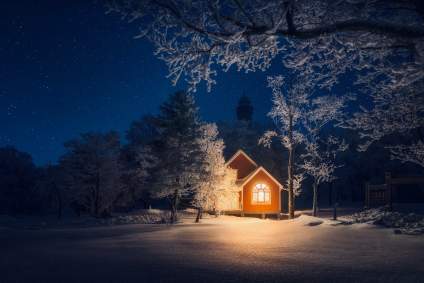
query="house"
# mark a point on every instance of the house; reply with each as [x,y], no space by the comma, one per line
[259,192]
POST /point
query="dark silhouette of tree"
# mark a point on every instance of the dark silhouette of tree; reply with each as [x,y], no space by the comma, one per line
[92,171]
[137,161]
[51,187]
[17,182]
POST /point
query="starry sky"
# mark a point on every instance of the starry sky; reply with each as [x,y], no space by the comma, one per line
[66,68]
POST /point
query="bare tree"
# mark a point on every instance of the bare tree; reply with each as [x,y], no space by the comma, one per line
[300,114]
[320,156]
[319,162]
[91,165]
[287,112]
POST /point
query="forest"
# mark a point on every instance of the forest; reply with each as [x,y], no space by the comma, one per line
[176,161]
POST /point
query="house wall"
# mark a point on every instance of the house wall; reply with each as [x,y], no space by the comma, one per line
[273,207]
[243,165]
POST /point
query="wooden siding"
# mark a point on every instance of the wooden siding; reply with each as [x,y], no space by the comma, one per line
[243,165]
[273,207]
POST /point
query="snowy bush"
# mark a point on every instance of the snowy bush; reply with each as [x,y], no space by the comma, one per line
[404,223]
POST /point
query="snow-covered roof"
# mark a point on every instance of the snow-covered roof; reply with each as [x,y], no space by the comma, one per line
[249,177]
[240,151]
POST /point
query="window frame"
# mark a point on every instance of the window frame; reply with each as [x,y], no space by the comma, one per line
[261,194]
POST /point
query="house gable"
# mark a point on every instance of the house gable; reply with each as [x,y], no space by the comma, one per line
[261,176]
[242,163]
[264,172]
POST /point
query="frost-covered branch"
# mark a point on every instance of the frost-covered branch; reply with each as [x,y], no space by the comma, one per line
[413,153]
[397,110]
[197,37]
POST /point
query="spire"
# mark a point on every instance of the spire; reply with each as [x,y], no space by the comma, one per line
[244,108]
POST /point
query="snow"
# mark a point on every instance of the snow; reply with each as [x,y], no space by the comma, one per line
[142,216]
[403,223]
[224,249]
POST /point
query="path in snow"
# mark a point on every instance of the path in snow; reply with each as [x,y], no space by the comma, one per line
[227,249]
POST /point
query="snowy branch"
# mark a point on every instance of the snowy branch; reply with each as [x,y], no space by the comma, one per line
[409,153]
[196,37]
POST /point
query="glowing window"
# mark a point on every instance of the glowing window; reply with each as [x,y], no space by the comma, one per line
[261,194]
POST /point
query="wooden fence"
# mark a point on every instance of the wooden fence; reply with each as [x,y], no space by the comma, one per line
[378,195]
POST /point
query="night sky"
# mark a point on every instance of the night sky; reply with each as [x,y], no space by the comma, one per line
[67,68]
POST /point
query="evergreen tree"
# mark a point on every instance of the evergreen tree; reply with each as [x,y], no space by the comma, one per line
[137,161]
[178,150]
[244,109]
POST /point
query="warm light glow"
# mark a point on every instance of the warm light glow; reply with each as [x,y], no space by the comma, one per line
[261,194]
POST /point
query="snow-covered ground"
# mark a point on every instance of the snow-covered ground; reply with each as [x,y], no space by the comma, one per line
[142,216]
[224,249]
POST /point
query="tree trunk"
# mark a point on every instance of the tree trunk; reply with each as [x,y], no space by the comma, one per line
[174,206]
[330,194]
[290,189]
[315,199]
[199,214]
[59,203]
[335,204]
[97,197]
[290,170]
[133,198]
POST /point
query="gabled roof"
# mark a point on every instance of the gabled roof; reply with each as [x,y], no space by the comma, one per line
[249,177]
[242,153]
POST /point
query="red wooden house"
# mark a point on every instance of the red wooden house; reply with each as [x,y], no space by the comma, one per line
[259,191]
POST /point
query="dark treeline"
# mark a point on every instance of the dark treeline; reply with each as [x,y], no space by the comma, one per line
[99,174]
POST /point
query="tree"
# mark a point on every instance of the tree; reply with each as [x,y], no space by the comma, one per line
[329,37]
[91,165]
[137,163]
[217,182]
[319,162]
[138,159]
[287,111]
[51,186]
[142,131]
[244,109]
[320,156]
[300,113]
[180,158]
[17,182]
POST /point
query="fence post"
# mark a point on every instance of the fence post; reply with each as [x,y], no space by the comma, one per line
[388,181]
[367,195]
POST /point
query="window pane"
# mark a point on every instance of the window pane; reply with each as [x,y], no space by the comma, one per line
[267,196]
[261,196]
